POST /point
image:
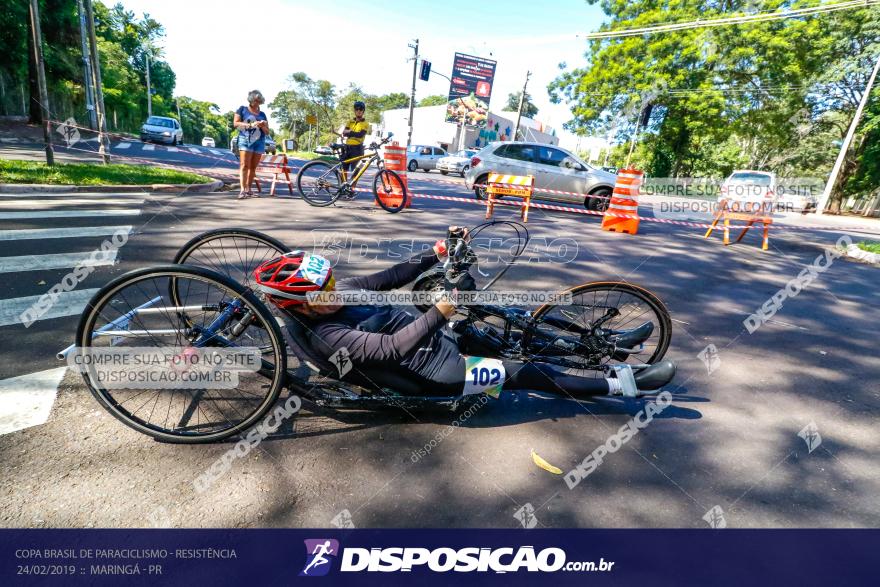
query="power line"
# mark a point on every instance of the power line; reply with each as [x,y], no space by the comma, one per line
[741,19]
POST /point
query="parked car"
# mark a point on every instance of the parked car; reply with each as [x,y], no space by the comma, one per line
[423,157]
[208,142]
[458,162]
[323,150]
[271,147]
[554,168]
[162,129]
[609,169]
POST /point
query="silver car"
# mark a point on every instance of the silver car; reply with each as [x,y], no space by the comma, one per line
[162,130]
[458,162]
[554,168]
[423,157]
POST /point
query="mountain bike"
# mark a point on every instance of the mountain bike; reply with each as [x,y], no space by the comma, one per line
[321,183]
[204,303]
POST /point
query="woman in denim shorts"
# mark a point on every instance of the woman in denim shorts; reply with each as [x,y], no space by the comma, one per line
[253,126]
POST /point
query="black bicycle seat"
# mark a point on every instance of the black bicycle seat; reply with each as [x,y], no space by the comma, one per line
[337,146]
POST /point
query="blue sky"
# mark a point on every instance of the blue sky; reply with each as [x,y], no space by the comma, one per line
[222,49]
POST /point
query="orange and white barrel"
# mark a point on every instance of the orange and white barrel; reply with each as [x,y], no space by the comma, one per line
[395,160]
[622,214]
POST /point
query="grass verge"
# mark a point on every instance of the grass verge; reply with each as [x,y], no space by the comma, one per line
[12,171]
[870,247]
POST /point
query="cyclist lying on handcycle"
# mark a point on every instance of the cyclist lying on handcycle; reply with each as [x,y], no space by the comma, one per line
[424,350]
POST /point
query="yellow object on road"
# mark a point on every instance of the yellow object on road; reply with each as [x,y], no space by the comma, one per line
[545,465]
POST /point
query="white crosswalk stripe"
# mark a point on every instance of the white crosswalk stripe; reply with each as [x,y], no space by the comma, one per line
[33,214]
[27,400]
[194,150]
[56,261]
[123,146]
[149,147]
[68,303]
[47,233]
[172,149]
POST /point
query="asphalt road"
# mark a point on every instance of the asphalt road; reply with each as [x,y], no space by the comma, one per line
[729,439]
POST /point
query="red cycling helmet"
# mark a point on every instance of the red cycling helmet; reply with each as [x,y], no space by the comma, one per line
[288,279]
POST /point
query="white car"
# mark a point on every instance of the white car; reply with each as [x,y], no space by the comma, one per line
[749,186]
[458,162]
[162,129]
[208,142]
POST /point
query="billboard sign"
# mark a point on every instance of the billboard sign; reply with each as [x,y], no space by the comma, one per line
[470,90]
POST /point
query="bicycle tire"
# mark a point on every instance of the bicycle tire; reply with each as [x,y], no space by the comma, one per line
[105,295]
[333,190]
[387,181]
[654,303]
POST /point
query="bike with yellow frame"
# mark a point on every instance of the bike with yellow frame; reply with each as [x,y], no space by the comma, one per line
[321,183]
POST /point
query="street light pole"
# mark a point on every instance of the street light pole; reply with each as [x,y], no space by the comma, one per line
[412,96]
[835,171]
[96,83]
[522,100]
[41,79]
[87,66]
[149,91]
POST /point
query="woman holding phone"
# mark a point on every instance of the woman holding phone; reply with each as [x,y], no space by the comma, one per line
[253,127]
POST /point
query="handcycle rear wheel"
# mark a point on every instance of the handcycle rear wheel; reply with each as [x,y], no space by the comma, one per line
[386,183]
[319,183]
[634,307]
[133,310]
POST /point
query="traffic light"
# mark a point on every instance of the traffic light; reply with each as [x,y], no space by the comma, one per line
[426,70]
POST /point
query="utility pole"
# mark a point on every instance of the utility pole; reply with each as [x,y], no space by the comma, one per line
[412,96]
[179,118]
[522,100]
[835,171]
[149,92]
[41,79]
[96,83]
[87,66]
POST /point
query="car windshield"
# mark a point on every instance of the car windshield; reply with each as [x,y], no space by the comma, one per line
[468,153]
[156,121]
[750,177]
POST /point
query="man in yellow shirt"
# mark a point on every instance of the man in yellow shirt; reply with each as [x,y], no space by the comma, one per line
[353,134]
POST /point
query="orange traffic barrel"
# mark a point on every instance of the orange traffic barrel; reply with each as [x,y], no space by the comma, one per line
[622,214]
[395,160]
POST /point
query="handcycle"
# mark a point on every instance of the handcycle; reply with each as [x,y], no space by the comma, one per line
[321,183]
[204,300]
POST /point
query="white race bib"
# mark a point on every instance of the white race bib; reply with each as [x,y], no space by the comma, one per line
[483,375]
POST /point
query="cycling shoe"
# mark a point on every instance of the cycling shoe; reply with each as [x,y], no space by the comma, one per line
[631,339]
[655,376]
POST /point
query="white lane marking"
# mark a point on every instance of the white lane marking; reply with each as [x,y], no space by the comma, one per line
[216,152]
[42,204]
[69,303]
[44,233]
[27,400]
[149,147]
[172,149]
[123,145]
[67,214]
[56,261]
[194,150]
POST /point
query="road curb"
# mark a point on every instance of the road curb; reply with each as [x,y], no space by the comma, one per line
[27,188]
[862,255]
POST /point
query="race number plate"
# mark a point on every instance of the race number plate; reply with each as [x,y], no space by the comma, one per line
[483,376]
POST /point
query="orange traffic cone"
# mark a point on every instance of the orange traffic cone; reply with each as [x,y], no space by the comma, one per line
[624,202]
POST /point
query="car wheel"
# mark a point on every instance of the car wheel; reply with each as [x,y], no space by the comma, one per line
[464,170]
[600,203]
[444,172]
[413,166]
[480,187]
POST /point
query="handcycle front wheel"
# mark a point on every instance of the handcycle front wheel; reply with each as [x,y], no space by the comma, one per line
[623,306]
[319,183]
[390,191]
[135,313]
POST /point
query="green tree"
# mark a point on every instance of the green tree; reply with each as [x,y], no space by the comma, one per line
[432,100]
[529,109]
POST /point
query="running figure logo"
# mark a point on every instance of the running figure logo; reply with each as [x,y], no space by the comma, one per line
[318,551]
